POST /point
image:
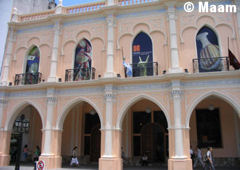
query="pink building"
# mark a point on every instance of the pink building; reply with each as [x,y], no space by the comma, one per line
[139,77]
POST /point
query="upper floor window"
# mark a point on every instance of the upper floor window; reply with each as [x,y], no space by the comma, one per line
[31,73]
[83,60]
[32,64]
[208,51]
[142,55]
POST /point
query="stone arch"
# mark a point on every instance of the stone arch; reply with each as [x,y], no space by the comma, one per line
[222,96]
[33,40]
[70,105]
[15,112]
[141,27]
[83,34]
[134,100]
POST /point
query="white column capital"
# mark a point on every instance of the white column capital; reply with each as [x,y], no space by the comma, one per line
[111,20]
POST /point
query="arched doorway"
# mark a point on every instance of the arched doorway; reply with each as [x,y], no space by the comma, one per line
[32,138]
[153,141]
[214,123]
[81,128]
[145,133]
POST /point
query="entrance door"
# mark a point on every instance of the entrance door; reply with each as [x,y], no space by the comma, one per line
[95,144]
[152,141]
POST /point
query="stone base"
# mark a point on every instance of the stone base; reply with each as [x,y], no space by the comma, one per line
[51,161]
[4,160]
[179,164]
[110,163]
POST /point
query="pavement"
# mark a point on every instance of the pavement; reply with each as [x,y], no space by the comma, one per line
[95,168]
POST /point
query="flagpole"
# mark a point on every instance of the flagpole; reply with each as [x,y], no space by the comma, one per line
[228,42]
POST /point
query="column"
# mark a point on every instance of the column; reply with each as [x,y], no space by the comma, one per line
[237,130]
[3,102]
[110,46]
[7,57]
[5,137]
[178,158]
[51,150]
[111,156]
[54,60]
[175,68]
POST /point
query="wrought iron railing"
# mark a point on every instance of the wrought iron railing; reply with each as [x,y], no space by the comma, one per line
[79,74]
[138,70]
[210,64]
[27,78]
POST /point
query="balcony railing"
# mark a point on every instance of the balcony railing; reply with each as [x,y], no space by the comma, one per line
[80,74]
[85,7]
[210,64]
[133,2]
[150,69]
[27,78]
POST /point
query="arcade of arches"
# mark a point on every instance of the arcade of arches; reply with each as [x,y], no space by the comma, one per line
[145,130]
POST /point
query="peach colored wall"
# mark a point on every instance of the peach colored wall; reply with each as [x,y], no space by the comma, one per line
[227,124]
[188,24]
[43,39]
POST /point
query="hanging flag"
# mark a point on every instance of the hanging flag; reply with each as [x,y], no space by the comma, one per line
[128,69]
[233,60]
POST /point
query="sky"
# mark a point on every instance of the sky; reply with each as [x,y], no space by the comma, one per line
[75,2]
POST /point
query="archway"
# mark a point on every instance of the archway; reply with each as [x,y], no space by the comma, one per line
[215,123]
[30,140]
[81,129]
[145,132]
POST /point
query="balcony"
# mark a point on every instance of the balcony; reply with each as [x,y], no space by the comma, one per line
[210,64]
[150,69]
[79,74]
[27,78]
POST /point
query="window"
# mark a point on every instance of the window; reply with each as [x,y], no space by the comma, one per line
[83,60]
[142,55]
[208,50]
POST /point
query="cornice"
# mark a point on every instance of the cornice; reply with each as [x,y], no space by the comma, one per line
[166,78]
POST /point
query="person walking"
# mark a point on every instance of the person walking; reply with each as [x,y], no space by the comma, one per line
[192,155]
[74,160]
[209,162]
[198,158]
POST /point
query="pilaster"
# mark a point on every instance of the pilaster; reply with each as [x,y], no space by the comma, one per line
[54,60]
[171,11]
[5,137]
[111,24]
[51,103]
[7,56]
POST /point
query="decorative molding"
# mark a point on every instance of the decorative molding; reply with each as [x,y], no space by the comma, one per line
[3,101]
[51,100]
[177,93]
[111,20]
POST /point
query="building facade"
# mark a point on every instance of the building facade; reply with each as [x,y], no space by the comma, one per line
[120,79]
